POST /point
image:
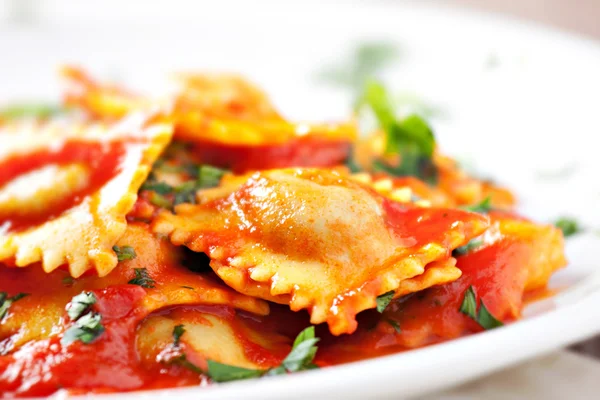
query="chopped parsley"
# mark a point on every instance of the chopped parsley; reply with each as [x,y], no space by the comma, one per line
[124,252]
[568,226]
[158,187]
[178,331]
[484,318]
[68,281]
[86,329]
[167,196]
[80,304]
[467,248]
[209,176]
[394,325]
[142,278]
[224,373]
[483,208]
[384,300]
[87,324]
[300,358]
[6,302]
[411,138]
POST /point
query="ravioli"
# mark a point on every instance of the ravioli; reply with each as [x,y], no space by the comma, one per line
[174,284]
[520,257]
[316,240]
[66,186]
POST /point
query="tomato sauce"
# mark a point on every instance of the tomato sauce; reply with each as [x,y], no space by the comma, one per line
[298,152]
[101,159]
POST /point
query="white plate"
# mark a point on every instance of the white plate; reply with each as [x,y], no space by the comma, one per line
[520,104]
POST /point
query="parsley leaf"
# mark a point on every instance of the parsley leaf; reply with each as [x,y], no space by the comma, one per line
[467,248]
[483,208]
[178,331]
[209,176]
[6,302]
[383,300]
[124,252]
[300,358]
[303,351]
[142,278]
[469,304]
[160,200]
[411,138]
[568,226]
[484,318]
[224,373]
[86,329]
[394,325]
[158,187]
[80,304]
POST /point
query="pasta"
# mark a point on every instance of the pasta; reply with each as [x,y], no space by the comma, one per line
[198,236]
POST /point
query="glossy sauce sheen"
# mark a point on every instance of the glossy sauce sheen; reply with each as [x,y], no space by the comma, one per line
[102,160]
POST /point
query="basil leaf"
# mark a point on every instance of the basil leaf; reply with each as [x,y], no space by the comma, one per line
[568,226]
[6,302]
[80,304]
[124,252]
[178,331]
[383,300]
[86,329]
[469,304]
[487,320]
[224,373]
[142,278]
[483,208]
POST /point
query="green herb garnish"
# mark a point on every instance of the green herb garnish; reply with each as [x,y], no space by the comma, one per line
[224,373]
[299,359]
[483,208]
[158,187]
[86,329]
[178,331]
[394,325]
[142,278]
[484,318]
[209,176]
[383,300]
[6,302]
[80,304]
[467,248]
[568,226]
[411,138]
[124,252]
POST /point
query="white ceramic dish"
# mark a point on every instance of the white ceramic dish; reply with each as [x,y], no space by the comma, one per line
[520,103]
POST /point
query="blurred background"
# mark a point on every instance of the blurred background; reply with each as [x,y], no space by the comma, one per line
[579,16]
[461,88]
